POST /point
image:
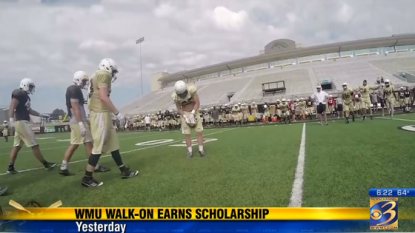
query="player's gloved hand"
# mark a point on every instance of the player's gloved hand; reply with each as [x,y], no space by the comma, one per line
[82,128]
[11,122]
[121,118]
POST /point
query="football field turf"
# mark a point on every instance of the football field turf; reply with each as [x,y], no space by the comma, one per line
[246,166]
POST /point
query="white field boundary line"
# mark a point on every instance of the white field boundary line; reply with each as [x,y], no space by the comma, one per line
[396,119]
[122,152]
[297,191]
[68,143]
[66,138]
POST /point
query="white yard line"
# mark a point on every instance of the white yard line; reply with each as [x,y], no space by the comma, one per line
[297,191]
[67,144]
[396,119]
[122,152]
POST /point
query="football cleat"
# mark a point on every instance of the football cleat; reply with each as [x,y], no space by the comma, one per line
[65,172]
[202,154]
[89,182]
[127,173]
[189,155]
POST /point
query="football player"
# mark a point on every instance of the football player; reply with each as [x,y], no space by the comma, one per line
[235,114]
[285,111]
[407,99]
[401,94]
[330,104]
[245,113]
[365,102]
[389,96]
[19,114]
[187,103]
[381,95]
[80,132]
[103,133]
[266,112]
[160,120]
[310,108]
[6,130]
[347,97]
[254,111]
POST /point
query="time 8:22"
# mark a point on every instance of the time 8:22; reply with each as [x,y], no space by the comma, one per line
[384,192]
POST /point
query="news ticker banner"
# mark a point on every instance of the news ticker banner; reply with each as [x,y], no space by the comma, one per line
[133,214]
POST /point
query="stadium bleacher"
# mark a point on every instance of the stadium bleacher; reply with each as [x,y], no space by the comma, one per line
[300,81]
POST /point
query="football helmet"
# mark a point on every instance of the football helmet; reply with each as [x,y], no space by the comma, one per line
[109,65]
[27,85]
[80,78]
[283,100]
[344,86]
[180,88]
[387,82]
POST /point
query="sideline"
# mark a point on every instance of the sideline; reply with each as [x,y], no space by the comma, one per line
[297,191]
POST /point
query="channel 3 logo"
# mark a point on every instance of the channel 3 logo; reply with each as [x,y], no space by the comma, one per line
[383,213]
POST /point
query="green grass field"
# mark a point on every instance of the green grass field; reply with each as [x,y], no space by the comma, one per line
[247,166]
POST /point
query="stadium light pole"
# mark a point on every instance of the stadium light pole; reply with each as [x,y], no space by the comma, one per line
[139,42]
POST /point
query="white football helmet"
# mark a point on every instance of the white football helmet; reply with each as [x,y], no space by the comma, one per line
[80,78]
[27,85]
[109,65]
[180,88]
[265,106]
[344,86]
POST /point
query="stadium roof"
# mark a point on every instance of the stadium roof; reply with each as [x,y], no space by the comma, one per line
[395,40]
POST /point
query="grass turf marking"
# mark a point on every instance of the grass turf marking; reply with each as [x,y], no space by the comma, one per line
[66,146]
[396,119]
[297,191]
[122,153]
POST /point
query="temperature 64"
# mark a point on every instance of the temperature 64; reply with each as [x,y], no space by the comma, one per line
[392,192]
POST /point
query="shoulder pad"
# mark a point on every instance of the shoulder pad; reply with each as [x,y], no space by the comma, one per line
[174,96]
[192,89]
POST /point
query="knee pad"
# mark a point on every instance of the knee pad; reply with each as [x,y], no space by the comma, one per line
[93,159]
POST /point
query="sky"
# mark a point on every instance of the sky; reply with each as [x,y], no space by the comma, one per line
[49,40]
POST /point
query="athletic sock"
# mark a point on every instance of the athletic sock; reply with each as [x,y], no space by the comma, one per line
[88,174]
[201,148]
[97,166]
[64,165]
[189,149]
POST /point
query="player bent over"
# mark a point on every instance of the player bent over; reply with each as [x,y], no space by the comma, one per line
[187,103]
[19,114]
[103,133]
[80,133]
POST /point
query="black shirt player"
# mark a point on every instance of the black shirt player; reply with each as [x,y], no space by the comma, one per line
[160,116]
[19,114]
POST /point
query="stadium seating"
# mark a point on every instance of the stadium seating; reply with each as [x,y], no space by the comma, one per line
[296,83]
[300,81]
